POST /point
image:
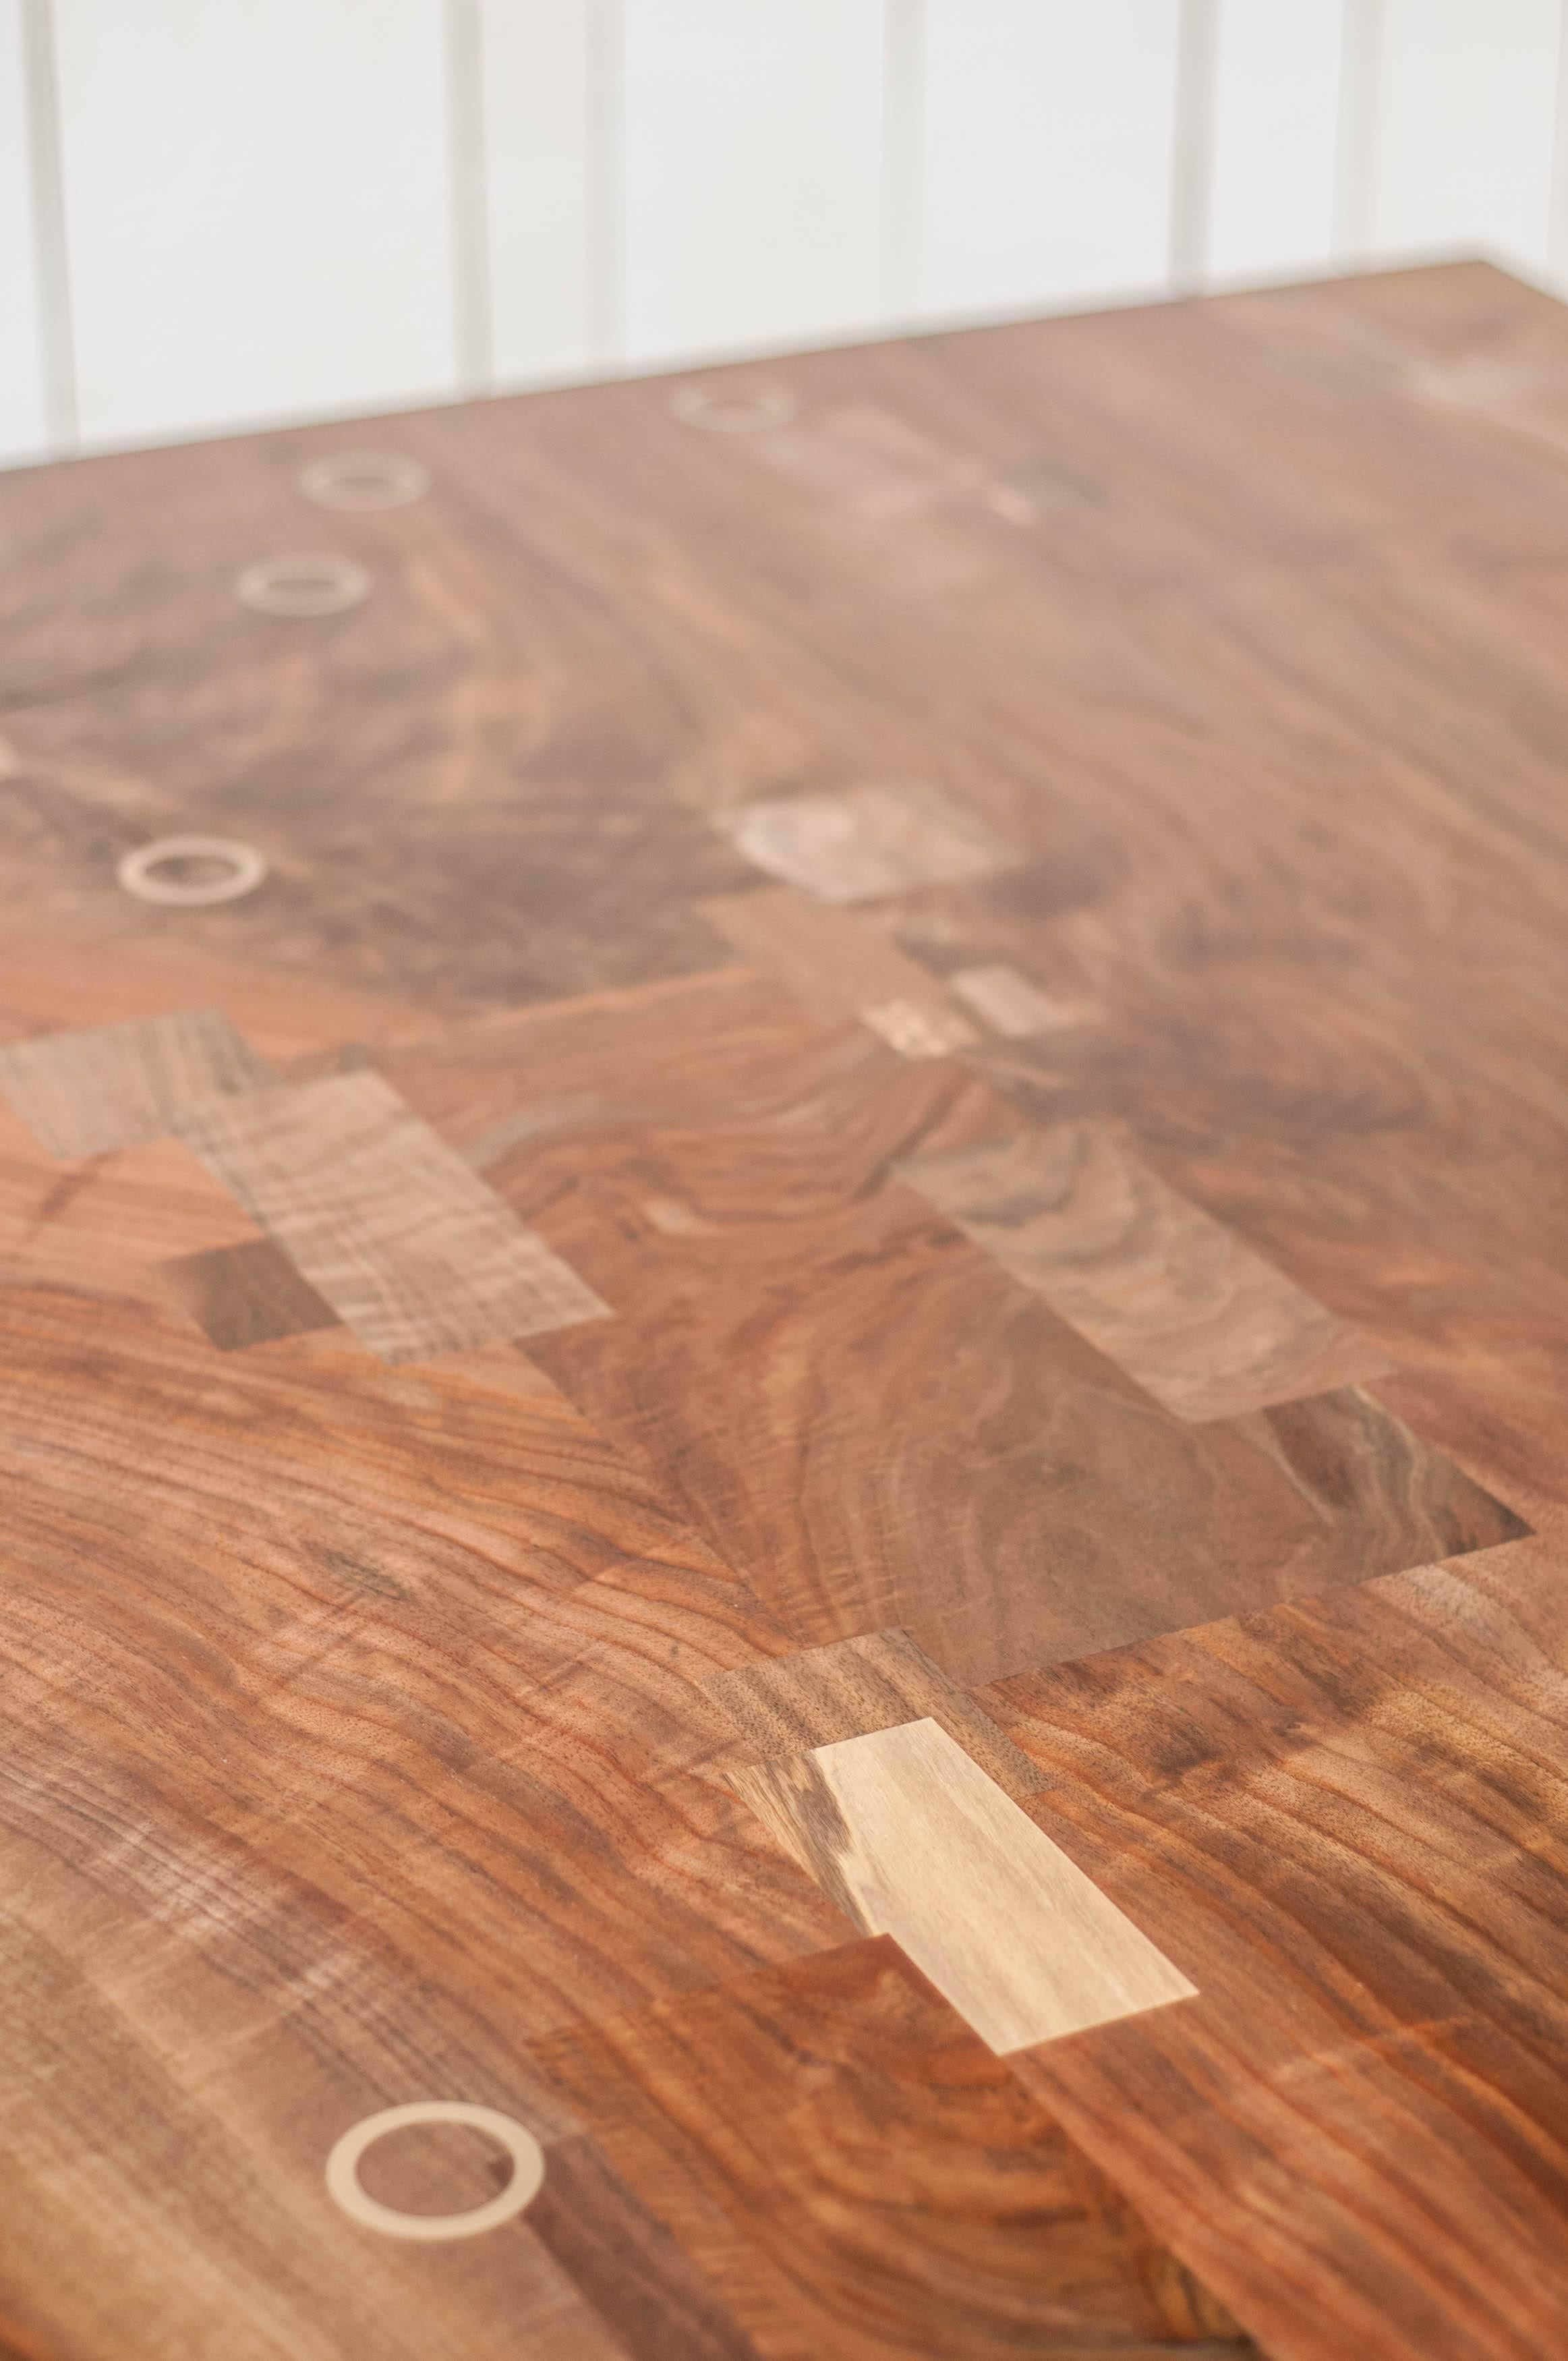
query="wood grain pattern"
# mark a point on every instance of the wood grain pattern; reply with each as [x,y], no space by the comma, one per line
[838,963]
[625,2260]
[1359,1824]
[335,1880]
[860,2177]
[108,1222]
[245,1295]
[408,1247]
[1176,1299]
[1009,1003]
[849,1399]
[878,466]
[916,1028]
[141,2210]
[909,1836]
[369,1727]
[82,1094]
[788,1705]
[75,976]
[872,841]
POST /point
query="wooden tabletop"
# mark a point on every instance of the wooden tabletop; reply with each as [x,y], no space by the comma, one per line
[792,1437]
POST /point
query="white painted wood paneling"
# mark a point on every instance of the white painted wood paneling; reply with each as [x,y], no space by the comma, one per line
[257,208]
[1274,123]
[1467,97]
[753,178]
[292,208]
[1048,152]
[24,431]
[537,70]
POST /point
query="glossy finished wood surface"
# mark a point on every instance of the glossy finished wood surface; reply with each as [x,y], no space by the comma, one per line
[858,1264]
[1173,1297]
[911,1838]
[380,1217]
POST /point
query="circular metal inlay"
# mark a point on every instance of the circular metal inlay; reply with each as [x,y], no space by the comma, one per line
[744,411]
[315,584]
[527,2171]
[364,479]
[241,870]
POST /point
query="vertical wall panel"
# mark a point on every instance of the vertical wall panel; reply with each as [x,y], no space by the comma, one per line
[1468,91]
[23,426]
[257,207]
[258,215]
[1048,150]
[752,171]
[536,62]
[1276,133]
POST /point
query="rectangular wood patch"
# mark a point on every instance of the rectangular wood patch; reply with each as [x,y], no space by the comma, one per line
[116,1085]
[1170,1295]
[917,1030]
[1011,1004]
[838,963]
[911,1838]
[835,961]
[883,838]
[411,1248]
[243,1295]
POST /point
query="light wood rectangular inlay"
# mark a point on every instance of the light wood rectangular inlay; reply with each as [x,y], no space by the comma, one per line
[411,1248]
[912,1839]
[1155,1284]
[116,1085]
[915,1030]
[839,963]
[883,838]
[1011,1004]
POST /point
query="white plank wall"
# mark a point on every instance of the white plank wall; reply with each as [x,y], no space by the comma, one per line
[752,175]
[257,208]
[25,425]
[220,211]
[1468,101]
[1049,136]
[1275,161]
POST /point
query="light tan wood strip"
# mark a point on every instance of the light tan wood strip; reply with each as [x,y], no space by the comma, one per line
[912,1839]
[1011,1004]
[411,1248]
[883,838]
[116,1085]
[917,1030]
[838,963]
[1170,1295]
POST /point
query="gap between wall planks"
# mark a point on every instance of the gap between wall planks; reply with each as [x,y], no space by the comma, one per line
[543,190]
